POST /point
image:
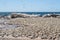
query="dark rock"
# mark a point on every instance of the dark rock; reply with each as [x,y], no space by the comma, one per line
[51,15]
[54,15]
[23,15]
[18,16]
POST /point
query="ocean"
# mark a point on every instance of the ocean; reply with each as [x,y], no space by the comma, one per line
[35,13]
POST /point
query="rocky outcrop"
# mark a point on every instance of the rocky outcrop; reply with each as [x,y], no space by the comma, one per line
[22,15]
[17,15]
[51,15]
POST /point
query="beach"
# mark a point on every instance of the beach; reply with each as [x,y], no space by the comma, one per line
[29,19]
[39,28]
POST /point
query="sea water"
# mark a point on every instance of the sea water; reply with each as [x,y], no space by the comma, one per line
[35,13]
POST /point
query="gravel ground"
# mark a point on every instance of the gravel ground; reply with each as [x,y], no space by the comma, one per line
[44,28]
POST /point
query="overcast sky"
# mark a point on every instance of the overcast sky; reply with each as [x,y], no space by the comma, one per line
[29,5]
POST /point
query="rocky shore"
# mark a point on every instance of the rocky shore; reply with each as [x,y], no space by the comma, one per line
[30,28]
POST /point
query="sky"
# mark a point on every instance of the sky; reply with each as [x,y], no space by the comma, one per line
[29,5]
